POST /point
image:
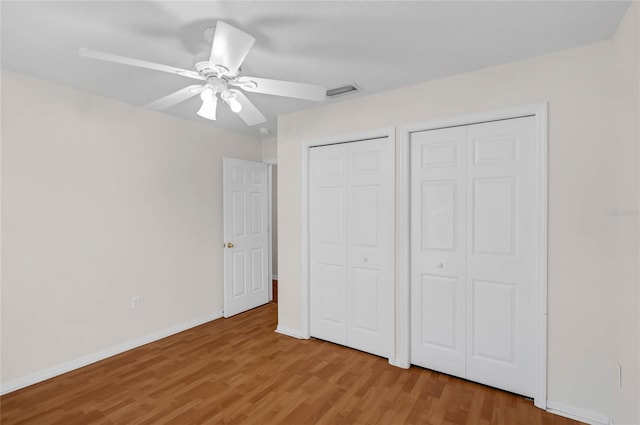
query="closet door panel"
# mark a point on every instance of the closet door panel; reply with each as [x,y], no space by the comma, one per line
[328,242]
[500,252]
[369,214]
[437,250]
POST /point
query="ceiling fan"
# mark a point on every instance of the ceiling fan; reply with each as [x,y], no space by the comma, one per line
[220,69]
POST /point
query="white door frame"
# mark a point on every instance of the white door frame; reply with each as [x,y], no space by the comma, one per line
[270,165]
[539,111]
[389,133]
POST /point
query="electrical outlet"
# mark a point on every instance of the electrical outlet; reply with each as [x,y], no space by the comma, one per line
[135,302]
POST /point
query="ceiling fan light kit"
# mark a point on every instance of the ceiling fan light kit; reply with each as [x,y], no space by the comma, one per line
[220,70]
[230,97]
[209,104]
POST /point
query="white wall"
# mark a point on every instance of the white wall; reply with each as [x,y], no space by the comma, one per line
[102,201]
[593,167]
[269,150]
[626,44]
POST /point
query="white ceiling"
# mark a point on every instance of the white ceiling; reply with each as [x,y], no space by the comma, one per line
[377,45]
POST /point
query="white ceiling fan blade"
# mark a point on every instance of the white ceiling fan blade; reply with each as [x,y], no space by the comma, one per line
[282,88]
[110,57]
[230,46]
[175,97]
[249,113]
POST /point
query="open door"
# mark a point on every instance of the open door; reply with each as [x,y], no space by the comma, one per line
[246,236]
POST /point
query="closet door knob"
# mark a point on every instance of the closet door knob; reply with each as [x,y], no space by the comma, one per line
[230,245]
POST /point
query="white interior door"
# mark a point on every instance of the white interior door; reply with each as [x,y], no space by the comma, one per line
[328,242]
[369,239]
[501,252]
[246,239]
[473,252]
[438,188]
[350,236]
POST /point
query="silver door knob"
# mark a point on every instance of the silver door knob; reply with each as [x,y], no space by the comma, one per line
[440,265]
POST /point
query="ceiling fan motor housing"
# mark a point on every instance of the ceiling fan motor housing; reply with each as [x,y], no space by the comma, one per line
[219,85]
[206,69]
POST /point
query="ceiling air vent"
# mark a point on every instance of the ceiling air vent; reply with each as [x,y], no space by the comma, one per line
[341,91]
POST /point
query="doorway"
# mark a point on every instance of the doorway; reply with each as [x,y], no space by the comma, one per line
[246,235]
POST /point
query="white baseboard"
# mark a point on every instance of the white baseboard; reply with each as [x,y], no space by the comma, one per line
[65,367]
[578,414]
[274,277]
[289,332]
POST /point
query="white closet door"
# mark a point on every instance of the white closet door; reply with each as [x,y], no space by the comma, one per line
[501,250]
[369,230]
[350,237]
[328,242]
[473,248]
[438,193]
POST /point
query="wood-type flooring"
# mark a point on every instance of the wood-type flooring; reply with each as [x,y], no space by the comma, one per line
[238,371]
